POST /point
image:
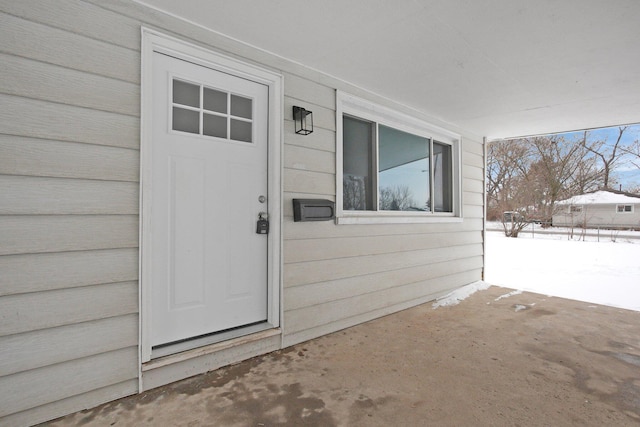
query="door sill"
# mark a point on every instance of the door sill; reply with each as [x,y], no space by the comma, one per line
[252,333]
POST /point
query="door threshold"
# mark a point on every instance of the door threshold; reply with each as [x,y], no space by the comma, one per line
[203,340]
[252,333]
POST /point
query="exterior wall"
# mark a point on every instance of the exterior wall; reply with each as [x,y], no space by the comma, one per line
[337,276]
[69,166]
[599,215]
[69,210]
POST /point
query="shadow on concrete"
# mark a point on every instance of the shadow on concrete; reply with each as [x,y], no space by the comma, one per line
[525,359]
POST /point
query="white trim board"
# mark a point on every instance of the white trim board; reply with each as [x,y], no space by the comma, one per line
[368,110]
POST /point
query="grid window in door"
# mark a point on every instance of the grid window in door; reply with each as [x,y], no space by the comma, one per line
[206,111]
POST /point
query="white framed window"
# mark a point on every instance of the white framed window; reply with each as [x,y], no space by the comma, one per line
[575,209]
[624,208]
[394,168]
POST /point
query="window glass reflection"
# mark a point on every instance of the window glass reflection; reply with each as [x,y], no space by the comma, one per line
[403,166]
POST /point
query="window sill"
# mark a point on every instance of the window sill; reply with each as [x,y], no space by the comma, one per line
[363,218]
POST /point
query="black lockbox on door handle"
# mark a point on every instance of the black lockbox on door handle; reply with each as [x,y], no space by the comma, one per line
[313,210]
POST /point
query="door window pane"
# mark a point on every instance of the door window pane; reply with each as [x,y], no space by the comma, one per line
[214,100]
[403,166]
[358,171]
[214,126]
[223,115]
[240,130]
[186,94]
[241,107]
[442,178]
[186,120]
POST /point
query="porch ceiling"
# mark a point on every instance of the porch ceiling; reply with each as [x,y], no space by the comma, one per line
[497,68]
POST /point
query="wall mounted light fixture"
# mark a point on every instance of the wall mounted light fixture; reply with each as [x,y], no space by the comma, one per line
[303,120]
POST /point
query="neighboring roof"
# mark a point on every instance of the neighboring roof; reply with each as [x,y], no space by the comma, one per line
[601,197]
[502,68]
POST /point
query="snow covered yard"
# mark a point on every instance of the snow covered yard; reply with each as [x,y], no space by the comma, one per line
[603,272]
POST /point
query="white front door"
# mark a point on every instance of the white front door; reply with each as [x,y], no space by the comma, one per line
[209,170]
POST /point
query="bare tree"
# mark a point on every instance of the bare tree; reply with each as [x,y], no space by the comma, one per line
[398,198]
[507,163]
[633,152]
[562,170]
[513,223]
[354,192]
[608,154]
[529,175]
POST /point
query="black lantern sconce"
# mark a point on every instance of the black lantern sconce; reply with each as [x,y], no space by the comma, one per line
[303,120]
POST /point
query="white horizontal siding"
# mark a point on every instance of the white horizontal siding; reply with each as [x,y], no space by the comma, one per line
[599,216]
[471,211]
[69,169]
[298,297]
[306,90]
[42,119]
[348,247]
[25,234]
[299,181]
[333,311]
[96,22]
[309,159]
[473,146]
[327,229]
[472,159]
[473,186]
[320,139]
[53,196]
[59,159]
[473,172]
[67,405]
[48,271]
[38,80]
[476,199]
[42,310]
[23,352]
[429,291]
[40,386]
[28,39]
[319,271]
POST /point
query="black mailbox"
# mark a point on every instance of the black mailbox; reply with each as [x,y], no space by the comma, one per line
[313,210]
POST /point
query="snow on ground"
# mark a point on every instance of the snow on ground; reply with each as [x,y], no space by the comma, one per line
[510,294]
[604,272]
[460,294]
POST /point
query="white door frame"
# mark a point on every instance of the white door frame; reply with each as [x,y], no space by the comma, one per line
[154,41]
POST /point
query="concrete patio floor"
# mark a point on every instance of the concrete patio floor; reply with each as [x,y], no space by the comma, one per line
[524,360]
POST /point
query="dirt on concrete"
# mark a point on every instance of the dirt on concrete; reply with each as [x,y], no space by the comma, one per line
[521,360]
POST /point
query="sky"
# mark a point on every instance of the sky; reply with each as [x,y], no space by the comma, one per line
[627,174]
[604,272]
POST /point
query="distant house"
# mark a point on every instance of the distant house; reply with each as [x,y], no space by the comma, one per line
[604,208]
